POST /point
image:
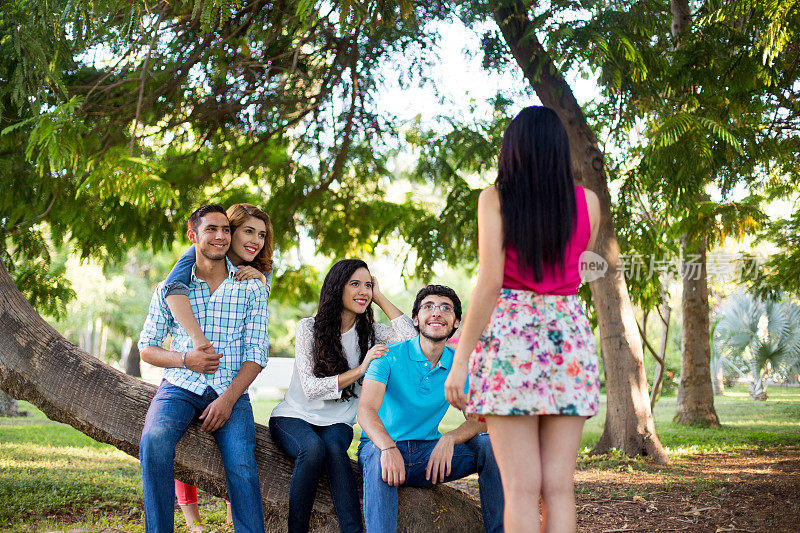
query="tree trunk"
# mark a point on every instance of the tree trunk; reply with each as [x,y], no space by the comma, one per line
[681,17]
[71,386]
[695,404]
[9,407]
[130,363]
[629,422]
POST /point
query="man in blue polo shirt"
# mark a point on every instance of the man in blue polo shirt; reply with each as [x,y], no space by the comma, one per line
[402,403]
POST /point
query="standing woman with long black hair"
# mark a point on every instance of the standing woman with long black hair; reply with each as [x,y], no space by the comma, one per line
[533,371]
[314,422]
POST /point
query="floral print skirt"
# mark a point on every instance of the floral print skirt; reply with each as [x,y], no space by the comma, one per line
[536,357]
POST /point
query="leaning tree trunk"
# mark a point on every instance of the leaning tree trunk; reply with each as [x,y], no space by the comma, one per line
[71,386]
[8,406]
[629,421]
[695,404]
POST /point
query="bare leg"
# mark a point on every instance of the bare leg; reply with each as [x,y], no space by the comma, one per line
[228,515]
[559,440]
[192,515]
[515,443]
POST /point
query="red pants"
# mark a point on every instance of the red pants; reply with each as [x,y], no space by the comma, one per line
[187,494]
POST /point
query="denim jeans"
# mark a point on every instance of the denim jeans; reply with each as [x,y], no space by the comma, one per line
[475,455]
[168,417]
[314,448]
[180,276]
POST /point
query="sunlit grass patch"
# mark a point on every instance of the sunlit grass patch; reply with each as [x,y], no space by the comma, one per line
[51,470]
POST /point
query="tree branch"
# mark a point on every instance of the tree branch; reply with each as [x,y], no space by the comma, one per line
[341,157]
[648,346]
[143,75]
[37,217]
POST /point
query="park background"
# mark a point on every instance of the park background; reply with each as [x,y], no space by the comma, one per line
[367,129]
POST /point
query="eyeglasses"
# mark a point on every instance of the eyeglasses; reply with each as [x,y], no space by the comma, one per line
[446,309]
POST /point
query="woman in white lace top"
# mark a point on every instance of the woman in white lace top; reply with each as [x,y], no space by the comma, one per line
[314,422]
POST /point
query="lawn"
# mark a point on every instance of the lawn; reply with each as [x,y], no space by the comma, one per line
[51,475]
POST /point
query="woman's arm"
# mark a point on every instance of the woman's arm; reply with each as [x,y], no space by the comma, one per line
[354,374]
[389,309]
[593,206]
[330,387]
[176,292]
[315,388]
[246,272]
[402,329]
[491,259]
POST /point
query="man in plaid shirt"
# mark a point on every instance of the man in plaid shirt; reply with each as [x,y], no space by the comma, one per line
[201,383]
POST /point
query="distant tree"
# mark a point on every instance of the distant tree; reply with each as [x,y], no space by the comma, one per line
[8,406]
[755,338]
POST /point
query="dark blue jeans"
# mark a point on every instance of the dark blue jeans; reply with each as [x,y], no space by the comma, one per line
[180,276]
[314,448]
[475,455]
[168,417]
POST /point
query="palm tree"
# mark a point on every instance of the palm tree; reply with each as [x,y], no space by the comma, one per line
[755,338]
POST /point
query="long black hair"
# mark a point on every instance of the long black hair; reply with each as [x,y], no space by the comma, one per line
[328,354]
[537,190]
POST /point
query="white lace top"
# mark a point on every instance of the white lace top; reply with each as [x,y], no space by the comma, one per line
[317,400]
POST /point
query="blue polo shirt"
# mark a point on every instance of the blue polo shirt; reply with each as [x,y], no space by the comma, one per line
[414,403]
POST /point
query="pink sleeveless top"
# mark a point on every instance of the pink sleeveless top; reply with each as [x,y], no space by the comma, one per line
[554,280]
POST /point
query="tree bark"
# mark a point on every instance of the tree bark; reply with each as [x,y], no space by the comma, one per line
[629,421]
[9,407]
[681,17]
[71,386]
[131,361]
[695,405]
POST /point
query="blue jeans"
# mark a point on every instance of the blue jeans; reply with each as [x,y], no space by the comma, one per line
[475,455]
[180,276]
[168,417]
[314,448]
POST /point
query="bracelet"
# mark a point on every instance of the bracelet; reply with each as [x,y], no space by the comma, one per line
[183,360]
[389,448]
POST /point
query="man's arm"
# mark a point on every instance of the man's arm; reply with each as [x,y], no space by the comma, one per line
[256,325]
[219,411]
[156,327]
[256,344]
[201,359]
[441,459]
[393,467]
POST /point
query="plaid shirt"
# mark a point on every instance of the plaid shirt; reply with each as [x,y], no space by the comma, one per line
[234,318]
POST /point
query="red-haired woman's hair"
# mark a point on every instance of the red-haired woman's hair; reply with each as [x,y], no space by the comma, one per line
[238,215]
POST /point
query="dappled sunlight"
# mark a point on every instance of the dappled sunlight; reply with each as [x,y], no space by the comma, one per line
[64,457]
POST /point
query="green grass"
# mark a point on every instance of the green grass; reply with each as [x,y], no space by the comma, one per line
[52,475]
[50,471]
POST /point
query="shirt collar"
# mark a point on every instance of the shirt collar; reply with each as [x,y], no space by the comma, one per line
[445,361]
[231,269]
